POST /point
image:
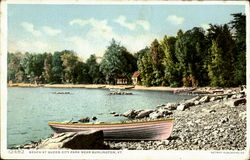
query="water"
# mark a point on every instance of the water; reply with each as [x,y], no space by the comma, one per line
[30,109]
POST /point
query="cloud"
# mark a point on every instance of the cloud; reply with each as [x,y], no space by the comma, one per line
[85,47]
[99,28]
[175,19]
[205,26]
[27,46]
[29,27]
[122,20]
[145,24]
[50,31]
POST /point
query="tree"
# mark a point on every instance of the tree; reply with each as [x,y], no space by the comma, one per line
[238,25]
[157,60]
[69,62]
[57,68]
[220,70]
[81,75]
[33,67]
[172,70]
[146,69]
[47,73]
[190,51]
[14,69]
[93,70]
[116,63]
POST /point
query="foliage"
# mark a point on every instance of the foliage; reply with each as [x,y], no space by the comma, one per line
[238,25]
[47,73]
[117,62]
[222,59]
[94,70]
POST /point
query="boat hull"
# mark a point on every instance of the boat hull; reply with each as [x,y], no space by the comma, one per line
[149,130]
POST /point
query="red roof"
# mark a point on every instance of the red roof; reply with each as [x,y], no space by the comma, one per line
[136,74]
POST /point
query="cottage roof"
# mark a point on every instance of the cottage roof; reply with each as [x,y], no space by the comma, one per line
[136,74]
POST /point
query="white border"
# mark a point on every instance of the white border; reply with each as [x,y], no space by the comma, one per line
[121,154]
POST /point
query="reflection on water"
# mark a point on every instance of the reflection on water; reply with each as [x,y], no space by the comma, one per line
[30,109]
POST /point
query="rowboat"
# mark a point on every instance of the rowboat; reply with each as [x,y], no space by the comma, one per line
[144,130]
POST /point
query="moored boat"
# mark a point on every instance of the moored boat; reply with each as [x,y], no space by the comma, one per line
[144,130]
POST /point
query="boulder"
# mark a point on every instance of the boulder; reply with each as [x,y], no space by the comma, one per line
[189,104]
[196,102]
[155,115]
[130,113]
[193,99]
[84,120]
[160,105]
[171,106]
[204,99]
[75,140]
[235,102]
[94,118]
[116,115]
[181,107]
[161,112]
[164,111]
[144,113]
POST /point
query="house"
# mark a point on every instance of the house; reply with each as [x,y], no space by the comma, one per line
[136,77]
[121,81]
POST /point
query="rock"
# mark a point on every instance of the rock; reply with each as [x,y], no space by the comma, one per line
[171,106]
[233,102]
[75,140]
[117,114]
[243,115]
[113,112]
[84,120]
[160,105]
[144,113]
[228,91]
[194,99]
[197,121]
[224,120]
[154,115]
[204,99]
[181,107]
[189,104]
[234,96]
[196,102]
[212,111]
[130,114]
[94,118]
[240,96]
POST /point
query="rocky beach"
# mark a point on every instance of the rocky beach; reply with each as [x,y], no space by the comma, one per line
[215,121]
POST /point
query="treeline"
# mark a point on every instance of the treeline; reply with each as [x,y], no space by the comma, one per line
[215,57]
[67,67]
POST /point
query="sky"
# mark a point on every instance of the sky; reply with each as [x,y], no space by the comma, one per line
[89,29]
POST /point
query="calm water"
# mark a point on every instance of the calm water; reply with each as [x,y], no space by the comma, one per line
[30,109]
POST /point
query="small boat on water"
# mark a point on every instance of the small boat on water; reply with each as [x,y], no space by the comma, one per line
[184,90]
[143,130]
[119,92]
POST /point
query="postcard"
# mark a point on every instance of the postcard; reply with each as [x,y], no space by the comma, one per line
[124,79]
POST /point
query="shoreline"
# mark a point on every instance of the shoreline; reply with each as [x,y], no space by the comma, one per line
[132,87]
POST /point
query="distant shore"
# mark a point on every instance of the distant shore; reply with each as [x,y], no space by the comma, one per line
[105,86]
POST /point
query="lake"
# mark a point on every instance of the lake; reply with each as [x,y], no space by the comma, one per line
[30,109]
